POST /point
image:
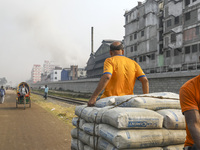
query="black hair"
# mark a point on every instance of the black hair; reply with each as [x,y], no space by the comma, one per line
[118,47]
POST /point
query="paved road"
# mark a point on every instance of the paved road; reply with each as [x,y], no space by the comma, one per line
[30,129]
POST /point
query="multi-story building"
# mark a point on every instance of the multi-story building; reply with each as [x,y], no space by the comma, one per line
[55,74]
[48,66]
[81,73]
[140,38]
[163,35]
[36,73]
[95,63]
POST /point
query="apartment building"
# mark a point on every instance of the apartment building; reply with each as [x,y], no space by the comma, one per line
[163,35]
[36,73]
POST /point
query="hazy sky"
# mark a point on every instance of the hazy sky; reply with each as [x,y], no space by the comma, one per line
[32,31]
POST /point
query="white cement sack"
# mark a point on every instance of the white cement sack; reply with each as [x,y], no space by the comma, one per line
[105,145]
[80,135]
[98,117]
[86,147]
[75,121]
[89,128]
[126,139]
[86,113]
[149,103]
[173,118]
[174,147]
[164,95]
[76,144]
[124,118]
[108,101]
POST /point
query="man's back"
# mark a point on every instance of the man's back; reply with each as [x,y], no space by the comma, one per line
[124,72]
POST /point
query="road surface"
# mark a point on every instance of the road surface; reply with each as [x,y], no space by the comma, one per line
[30,129]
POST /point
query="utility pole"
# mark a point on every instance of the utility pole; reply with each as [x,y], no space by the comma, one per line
[92,45]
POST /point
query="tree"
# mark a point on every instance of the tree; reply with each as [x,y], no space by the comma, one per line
[3,81]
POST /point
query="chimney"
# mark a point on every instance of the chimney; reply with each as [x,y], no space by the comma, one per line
[92,51]
[139,3]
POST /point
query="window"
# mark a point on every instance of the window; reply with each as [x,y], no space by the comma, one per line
[135,47]
[169,23]
[187,16]
[168,53]
[56,78]
[187,2]
[142,33]
[176,52]
[194,0]
[135,36]
[161,22]
[144,58]
[161,49]
[55,72]
[173,37]
[131,37]
[176,20]
[187,50]
[152,56]
[197,30]
[135,59]
[140,59]
[161,35]
[194,48]
[127,19]
[131,48]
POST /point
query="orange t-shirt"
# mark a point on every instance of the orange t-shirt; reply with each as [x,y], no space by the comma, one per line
[124,72]
[190,99]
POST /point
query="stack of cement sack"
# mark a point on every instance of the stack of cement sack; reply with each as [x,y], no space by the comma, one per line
[132,122]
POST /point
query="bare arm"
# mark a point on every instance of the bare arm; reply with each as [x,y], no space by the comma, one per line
[102,84]
[145,85]
[192,118]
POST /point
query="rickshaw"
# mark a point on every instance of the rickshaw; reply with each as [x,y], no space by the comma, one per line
[23,99]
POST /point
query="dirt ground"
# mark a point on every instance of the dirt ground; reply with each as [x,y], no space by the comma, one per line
[31,129]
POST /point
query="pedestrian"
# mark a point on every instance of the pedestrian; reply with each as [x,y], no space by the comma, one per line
[46,89]
[119,75]
[2,95]
[190,105]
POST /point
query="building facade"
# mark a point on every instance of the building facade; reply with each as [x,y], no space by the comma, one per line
[163,35]
[36,73]
[55,75]
[48,66]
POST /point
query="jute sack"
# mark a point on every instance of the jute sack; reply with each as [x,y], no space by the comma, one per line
[76,144]
[174,147]
[86,113]
[173,118]
[89,128]
[108,101]
[75,121]
[124,118]
[126,139]
[149,103]
[80,135]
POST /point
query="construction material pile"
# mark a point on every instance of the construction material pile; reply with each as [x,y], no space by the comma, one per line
[149,121]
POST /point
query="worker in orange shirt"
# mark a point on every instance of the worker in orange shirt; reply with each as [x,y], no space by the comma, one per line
[119,75]
[190,105]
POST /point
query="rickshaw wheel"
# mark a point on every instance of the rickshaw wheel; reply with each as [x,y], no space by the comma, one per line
[24,103]
[29,102]
[16,104]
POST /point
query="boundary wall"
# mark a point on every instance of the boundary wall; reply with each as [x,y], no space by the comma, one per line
[159,82]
